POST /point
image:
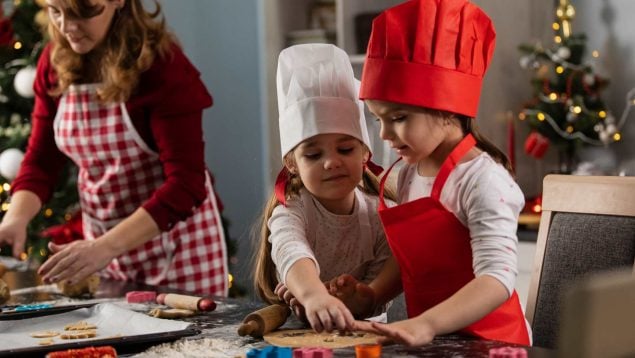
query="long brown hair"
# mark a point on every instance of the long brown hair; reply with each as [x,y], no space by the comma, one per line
[265,278]
[469,126]
[134,39]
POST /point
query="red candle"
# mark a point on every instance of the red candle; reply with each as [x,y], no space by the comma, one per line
[511,142]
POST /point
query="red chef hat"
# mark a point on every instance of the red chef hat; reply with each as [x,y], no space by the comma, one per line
[429,53]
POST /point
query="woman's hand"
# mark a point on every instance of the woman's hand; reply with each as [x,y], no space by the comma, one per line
[75,261]
[357,296]
[411,332]
[13,233]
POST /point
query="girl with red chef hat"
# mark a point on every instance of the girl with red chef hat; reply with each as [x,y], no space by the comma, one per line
[322,220]
[453,234]
[116,94]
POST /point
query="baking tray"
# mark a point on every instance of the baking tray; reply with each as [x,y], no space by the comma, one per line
[138,331]
[123,345]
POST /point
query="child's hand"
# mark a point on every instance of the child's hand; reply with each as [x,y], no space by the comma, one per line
[357,296]
[326,313]
[411,332]
[285,295]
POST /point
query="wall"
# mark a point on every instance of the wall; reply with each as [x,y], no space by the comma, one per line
[221,38]
[609,26]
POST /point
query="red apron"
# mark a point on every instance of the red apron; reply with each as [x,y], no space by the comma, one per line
[118,172]
[435,257]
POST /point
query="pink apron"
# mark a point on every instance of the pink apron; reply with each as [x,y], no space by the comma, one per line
[118,172]
[435,257]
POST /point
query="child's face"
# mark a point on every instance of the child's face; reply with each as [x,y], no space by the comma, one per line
[83,33]
[411,131]
[330,167]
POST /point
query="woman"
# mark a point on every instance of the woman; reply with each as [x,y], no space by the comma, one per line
[117,95]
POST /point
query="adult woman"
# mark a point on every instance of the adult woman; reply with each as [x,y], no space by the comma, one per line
[116,94]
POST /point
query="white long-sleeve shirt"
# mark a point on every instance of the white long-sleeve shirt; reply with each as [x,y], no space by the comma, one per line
[486,200]
[338,244]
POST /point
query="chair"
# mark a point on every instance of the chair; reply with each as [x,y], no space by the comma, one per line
[587,226]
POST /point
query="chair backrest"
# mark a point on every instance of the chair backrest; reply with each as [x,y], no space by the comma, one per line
[587,226]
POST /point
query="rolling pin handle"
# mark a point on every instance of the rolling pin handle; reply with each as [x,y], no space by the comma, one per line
[248,328]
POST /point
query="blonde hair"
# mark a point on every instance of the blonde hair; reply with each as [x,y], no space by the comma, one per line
[131,45]
[264,270]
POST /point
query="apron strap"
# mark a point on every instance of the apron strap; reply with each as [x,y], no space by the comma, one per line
[464,146]
[382,182]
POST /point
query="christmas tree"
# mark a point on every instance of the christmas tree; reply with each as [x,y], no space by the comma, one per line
[22,29]
[567,109]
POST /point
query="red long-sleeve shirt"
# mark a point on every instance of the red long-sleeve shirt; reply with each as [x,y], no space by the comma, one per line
[166,110]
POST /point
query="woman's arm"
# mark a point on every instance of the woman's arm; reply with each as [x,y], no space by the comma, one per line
[24,206]
[75,261]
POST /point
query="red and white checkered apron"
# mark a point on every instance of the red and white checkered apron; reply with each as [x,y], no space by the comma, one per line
[118,172]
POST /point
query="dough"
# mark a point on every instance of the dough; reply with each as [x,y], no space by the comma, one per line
[310,338]
[79,326]
[79,334]
[88,285]
[5,293]
[44,334]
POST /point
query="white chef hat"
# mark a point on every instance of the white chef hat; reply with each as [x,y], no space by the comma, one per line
[317,94]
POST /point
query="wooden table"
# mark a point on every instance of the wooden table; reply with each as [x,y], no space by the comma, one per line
[223,325]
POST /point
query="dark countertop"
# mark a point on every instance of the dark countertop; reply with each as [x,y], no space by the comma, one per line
[221,325]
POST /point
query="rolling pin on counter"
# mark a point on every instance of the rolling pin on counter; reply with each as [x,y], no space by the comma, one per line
[264,320]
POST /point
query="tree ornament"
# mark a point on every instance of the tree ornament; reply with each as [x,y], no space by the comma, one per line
[23,81]
[565,13]
[10,161]
[525,61]
[564,52]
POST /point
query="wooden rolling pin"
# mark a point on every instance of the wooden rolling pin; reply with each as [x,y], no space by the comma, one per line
[263,321]
[191,303]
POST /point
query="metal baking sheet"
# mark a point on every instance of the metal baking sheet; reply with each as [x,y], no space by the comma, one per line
[115,326]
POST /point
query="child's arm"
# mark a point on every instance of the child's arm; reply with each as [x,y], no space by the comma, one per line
[474,301]
[323,311]
[363,299]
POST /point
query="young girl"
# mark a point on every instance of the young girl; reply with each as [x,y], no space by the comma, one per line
[319,224]
[116,94]
[453,234]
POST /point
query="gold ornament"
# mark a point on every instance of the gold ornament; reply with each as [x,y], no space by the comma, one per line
[565,13]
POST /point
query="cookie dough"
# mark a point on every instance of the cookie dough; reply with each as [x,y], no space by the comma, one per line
[87,286]
[5,293]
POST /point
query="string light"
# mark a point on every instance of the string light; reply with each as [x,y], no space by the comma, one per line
[617,137]
[48,212]
[557,39]
[6,187]
[555,26]
[541,116]
[17,45]
[553,96]
[595,53]
[602,114]
[559,70]
[522,116]
[5,206]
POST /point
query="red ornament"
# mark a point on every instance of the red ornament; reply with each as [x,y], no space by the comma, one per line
[67,232]
[6,32]
[536,145]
